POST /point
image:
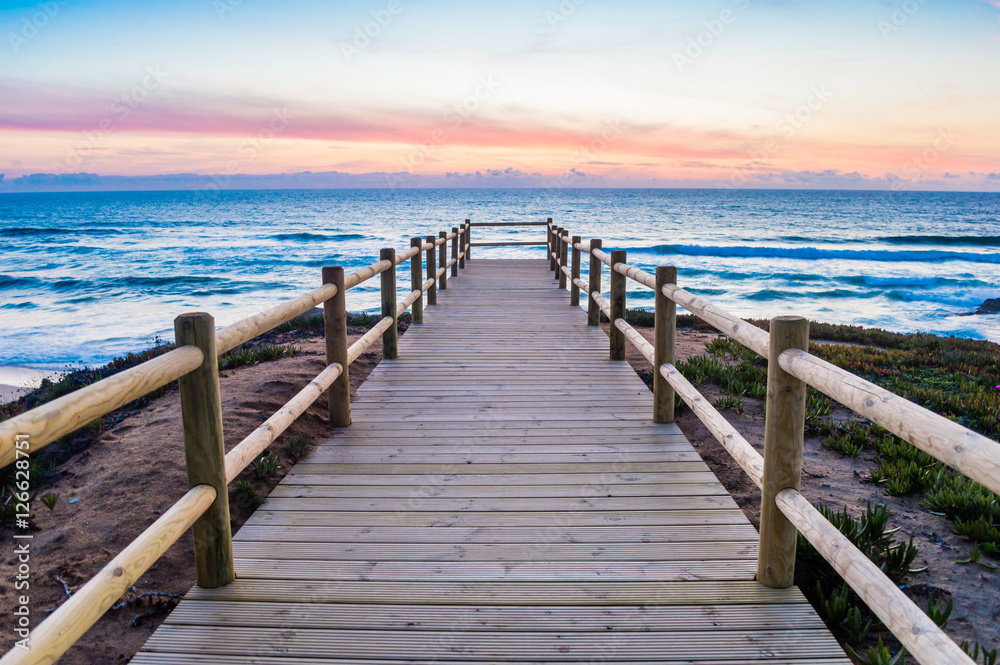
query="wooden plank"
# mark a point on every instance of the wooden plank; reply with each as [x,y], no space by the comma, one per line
[282,527]
[502,593]
[486,646]
[560,552]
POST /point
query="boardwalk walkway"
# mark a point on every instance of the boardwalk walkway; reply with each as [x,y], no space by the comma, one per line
[501,496]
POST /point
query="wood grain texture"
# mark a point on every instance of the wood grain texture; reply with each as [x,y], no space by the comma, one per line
[205,450]
[784,428]
[338,394]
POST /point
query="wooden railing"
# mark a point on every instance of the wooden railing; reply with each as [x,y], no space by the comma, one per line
[194,362]
[791,368]
[511,243]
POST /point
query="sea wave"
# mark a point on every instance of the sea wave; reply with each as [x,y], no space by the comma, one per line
[814,253]
[308,237]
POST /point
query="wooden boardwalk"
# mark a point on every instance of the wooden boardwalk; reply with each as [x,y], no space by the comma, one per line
[502,496]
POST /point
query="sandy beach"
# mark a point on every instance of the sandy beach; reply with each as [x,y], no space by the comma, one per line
[16,380]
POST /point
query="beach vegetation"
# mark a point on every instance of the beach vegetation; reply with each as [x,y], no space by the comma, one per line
[50,500]
[247,495]
[296,446]
[253,355]
[265,466]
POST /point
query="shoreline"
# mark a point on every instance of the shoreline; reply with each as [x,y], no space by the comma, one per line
[19,380]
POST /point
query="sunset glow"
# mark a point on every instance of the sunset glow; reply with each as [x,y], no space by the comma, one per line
[738,93]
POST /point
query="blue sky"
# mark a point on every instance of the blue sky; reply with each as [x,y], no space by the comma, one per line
[744,93]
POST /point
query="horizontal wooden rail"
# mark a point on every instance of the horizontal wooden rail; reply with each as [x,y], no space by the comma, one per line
[366,273]
[638,341]
[412,298]
[513,243]
[256,442]
[232,336]
[603,303]
[408,254]
[601,256]
[975,455]
[481,224]
[54,636]
[366,340]
[751,461]
[911,626]
[46,423]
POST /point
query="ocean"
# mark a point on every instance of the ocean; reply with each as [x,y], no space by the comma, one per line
[87,276]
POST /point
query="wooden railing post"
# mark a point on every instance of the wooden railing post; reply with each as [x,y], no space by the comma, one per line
[553,265]
[390,336]
[338,395]
[664,340]
[556,231]
[617,305]
[463,235]
[563,258]
[784,427]
[468,238]
[574,290]
[417,281]
[443,255]
[432,297]
[454,252]
[593,309]
[205,452]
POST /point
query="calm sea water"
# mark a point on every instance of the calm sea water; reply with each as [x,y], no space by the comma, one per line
[85,276]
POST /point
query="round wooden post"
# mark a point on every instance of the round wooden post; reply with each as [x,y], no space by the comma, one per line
[205,452]
[617,305]
[454,251]
[553,265]
[574,290]
[468,238]
[338,395]
[593,309]
[417,281]
[563,258]
[463,234]
[389,337]
[556,232]
[432,296]
[664,338]
[784,427]
[443,255]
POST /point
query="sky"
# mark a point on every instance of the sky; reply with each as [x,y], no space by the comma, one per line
[736,93]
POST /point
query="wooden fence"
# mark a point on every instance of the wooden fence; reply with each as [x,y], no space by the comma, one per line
[194,362]
[791,368]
